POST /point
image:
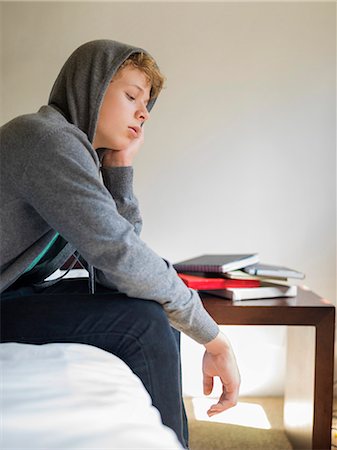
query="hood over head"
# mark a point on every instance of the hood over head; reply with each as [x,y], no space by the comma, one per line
[80,86]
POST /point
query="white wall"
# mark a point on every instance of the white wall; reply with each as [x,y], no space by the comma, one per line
[240,149]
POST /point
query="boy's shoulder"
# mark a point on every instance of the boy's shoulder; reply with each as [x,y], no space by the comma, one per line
[41,134]
[35,126]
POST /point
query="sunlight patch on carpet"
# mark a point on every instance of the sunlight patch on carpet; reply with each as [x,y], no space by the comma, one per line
[245,414]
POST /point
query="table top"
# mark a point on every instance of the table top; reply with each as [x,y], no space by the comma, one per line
[304,297]
[307,308]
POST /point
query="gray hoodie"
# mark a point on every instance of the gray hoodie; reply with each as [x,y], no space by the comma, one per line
[51,183]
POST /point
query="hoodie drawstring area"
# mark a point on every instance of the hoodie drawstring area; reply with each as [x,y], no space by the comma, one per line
[91,280]
[91,271]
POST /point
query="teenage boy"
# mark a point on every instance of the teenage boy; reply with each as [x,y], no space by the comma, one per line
[66,187]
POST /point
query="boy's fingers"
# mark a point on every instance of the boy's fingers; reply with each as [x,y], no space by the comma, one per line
[220,406]
[208,384]
[227,400]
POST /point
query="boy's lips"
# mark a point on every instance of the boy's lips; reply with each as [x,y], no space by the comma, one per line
[136,129]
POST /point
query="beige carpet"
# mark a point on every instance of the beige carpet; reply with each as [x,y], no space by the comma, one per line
[260,426]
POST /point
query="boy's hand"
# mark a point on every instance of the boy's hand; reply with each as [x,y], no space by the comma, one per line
[120,158]
[219,360]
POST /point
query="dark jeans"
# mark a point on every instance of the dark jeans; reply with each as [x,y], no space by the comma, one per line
[135,330]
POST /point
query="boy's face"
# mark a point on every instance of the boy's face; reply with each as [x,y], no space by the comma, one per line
[123,110]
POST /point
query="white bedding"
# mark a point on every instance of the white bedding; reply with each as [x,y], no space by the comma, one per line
[71,396]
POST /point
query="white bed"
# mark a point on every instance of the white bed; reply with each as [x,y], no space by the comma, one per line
[72,396]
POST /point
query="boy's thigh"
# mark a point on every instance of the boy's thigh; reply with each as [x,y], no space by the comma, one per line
[69,312]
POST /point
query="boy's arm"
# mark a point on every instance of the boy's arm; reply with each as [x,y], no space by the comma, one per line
[61,182]
[119,182]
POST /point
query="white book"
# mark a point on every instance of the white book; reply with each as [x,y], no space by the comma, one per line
[241,275]
[266,290]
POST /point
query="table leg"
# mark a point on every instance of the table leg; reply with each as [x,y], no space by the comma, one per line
[299,386]
[324,374]
[308,396]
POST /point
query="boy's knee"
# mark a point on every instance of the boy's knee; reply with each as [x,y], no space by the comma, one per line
[157,331]
[152,314]
[139,319]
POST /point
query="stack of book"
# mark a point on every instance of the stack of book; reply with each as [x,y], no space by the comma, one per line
[237,277]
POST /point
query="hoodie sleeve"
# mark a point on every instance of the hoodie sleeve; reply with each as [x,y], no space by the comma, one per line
[119,182]
[61,182]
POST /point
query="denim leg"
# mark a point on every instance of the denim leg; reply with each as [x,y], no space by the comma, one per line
[135,330]
[184,418]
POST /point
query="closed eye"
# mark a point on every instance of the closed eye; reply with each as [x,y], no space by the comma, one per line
[130,96]
[133,99]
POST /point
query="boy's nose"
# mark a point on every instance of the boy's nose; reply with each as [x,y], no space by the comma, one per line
[143,114]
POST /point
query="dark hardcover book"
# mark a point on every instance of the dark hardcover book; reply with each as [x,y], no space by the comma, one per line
[217,263]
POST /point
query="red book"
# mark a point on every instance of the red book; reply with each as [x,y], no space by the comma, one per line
[203,283]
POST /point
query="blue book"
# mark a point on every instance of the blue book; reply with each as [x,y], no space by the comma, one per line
[267,270]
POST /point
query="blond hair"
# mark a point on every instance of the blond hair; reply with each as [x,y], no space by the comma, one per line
[148,66]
